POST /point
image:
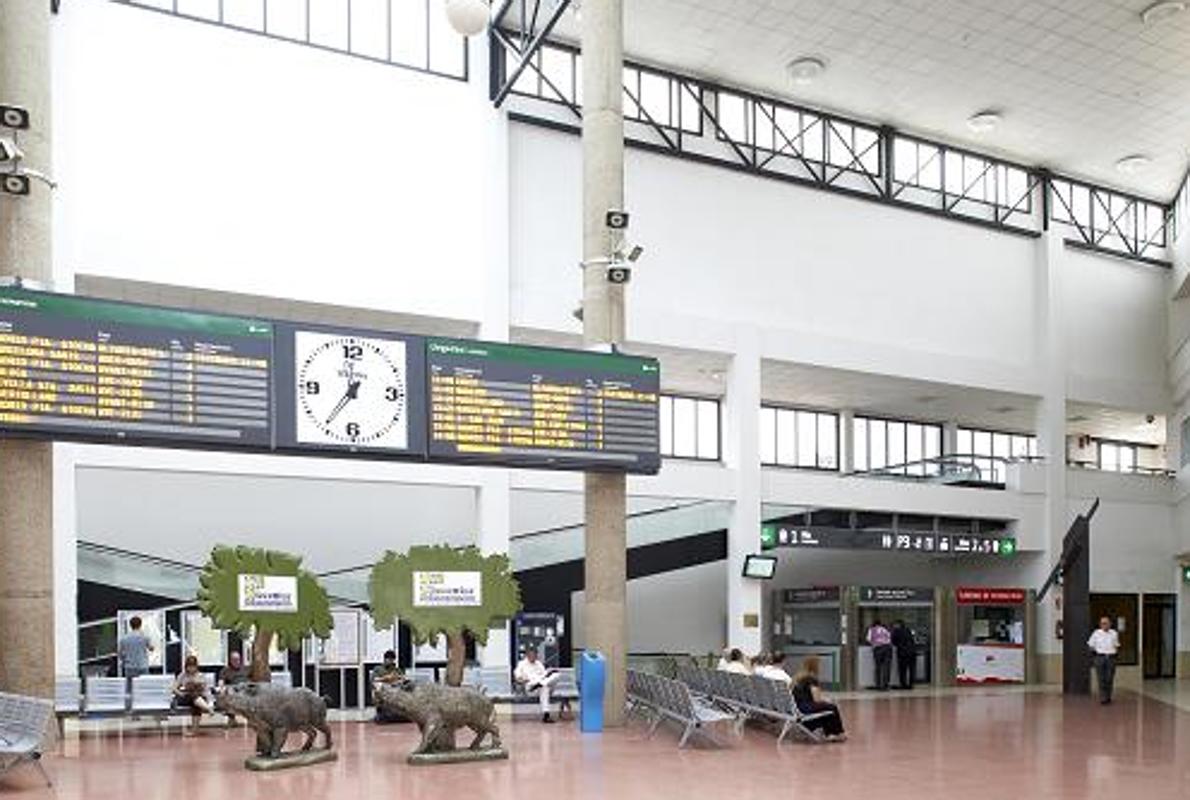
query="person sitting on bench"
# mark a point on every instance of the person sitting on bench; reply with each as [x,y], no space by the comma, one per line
[810,699]
[387,674]
[190,691]
[531,674]
[233,674]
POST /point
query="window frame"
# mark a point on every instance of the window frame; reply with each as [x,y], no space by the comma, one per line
[697,399]
[795,409]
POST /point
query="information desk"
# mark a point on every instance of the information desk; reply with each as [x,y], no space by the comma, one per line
[991,635]
[72,366]
[534,406]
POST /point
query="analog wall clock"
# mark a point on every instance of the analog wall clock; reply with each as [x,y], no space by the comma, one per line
[351,391]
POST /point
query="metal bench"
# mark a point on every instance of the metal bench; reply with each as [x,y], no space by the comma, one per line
[668,699]
[756,697]
[23,724]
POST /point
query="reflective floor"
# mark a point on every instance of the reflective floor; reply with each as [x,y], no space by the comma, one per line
[993,745]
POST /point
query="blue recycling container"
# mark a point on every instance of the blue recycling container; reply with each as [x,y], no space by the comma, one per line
[592,680]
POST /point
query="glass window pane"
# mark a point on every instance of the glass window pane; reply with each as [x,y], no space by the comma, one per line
[244,14]
[446,46]
[558,66]
[807,439]
[813,135]
[786,437]
[963,442]
[685,418]
[981,443]
[654,97]
[708,429]
[905,160]
[1020,446]
[1127,459]
[877,443]
[914,449]
[731,116]
[328,23]
[1108,457]
[666,419]
[932,448]
[828,437]
[408,35]
[203,9]
[691,110]
[768,436]
[859,446]
[369,28]
[896,445]
[287,18]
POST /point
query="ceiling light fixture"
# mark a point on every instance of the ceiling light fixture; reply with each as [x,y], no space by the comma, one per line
[1130,165]
[983,121]
[1159,12]
[805,70]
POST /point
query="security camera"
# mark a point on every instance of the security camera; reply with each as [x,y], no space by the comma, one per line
[635,253]
[14,117]
[616,220]
[9,151]
[14,183]
[1149,418]
[619,274]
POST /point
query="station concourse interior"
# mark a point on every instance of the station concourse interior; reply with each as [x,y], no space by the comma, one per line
[875,304]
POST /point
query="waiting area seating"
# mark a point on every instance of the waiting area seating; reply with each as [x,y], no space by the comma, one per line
[752,696]
[668,699]
[23,725]
[497,683]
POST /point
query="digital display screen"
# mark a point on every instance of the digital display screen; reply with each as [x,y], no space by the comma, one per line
[350,390]
[77,367]
[762,567]
[540,407]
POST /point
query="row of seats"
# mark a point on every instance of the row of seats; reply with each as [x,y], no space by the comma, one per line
[23,724]
[752,696]
[667,699]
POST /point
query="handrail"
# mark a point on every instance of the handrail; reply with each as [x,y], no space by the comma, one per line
[1136,469]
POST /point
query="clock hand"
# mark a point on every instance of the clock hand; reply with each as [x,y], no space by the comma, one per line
[343,401]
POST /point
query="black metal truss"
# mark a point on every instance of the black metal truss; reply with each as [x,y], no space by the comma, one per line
[523,35]
[842,166]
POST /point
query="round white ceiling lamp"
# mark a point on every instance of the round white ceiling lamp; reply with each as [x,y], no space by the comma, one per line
[1130,165]
[1159,12]
[805,70]
[468,17]
[983,121]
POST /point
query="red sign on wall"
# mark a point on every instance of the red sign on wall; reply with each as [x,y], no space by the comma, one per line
[980,596]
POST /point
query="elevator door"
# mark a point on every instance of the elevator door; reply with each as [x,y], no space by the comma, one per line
[1160,636]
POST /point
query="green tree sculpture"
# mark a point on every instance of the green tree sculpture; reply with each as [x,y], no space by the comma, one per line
[391,593]
[218,598]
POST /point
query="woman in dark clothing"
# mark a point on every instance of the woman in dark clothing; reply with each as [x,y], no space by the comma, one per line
[810,699]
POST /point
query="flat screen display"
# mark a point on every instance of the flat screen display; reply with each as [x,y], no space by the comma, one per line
[761,567]
[96,369]
[540,407]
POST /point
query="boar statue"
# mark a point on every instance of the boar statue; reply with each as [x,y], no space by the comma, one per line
[274,711]
[439,711]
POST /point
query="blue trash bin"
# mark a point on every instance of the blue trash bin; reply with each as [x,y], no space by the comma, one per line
[592,680]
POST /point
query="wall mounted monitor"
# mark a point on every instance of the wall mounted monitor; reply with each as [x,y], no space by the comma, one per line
[75,367]
[760,567]
[540,407]
[350,391]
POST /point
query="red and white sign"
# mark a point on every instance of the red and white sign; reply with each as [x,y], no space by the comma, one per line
[990,663]
[980,596]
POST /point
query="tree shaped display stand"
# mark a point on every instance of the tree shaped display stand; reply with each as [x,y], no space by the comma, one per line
[266,595]
[452,592]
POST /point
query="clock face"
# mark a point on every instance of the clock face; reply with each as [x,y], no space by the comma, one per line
[351,390]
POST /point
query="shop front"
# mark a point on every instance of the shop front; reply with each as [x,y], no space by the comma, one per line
[810,622]
[992,635]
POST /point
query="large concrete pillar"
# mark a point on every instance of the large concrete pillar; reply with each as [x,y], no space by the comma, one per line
[741,454]
[26,468]
[606,548]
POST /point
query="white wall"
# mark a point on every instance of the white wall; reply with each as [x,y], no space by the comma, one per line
[195,155]
[1115,331]
[684,611]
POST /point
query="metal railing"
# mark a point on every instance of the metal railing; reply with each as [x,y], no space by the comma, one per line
[1135,469]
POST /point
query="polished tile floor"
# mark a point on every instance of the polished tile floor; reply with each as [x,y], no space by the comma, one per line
[971,746]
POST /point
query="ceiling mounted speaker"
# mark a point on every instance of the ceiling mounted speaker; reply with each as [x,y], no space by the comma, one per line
[468,17]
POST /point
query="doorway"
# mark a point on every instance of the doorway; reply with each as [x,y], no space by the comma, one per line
[1159,639]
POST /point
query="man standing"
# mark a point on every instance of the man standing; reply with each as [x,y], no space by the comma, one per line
[133,649]
[881,641]
[906,647]
[1105,643]
[532,674]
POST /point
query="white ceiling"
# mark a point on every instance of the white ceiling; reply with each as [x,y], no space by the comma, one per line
[1080,83]
[1115,423]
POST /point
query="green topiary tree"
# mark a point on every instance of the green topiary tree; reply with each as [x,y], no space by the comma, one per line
[391,593]
[218,598]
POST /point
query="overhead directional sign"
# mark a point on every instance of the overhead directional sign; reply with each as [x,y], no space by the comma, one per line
[825,538]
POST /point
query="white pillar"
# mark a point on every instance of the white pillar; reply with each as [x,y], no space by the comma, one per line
[1051,424]
[741,440]
[847,441]
[494,511]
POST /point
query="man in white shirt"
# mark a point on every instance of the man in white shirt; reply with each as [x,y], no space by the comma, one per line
[1105,643]
[735,663]
[775,670]
[532,674]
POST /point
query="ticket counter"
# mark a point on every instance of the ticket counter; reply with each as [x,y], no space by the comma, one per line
[992,643]
[912,605]
[809,622]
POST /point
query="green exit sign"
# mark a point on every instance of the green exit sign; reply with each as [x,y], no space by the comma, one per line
[1186,573]
[1007,547]
[768,537]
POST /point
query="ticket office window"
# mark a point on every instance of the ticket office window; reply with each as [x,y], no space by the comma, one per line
[1124,612]
[991,624]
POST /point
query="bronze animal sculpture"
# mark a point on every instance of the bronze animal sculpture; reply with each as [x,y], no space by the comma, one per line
[441,710]
[274,711]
